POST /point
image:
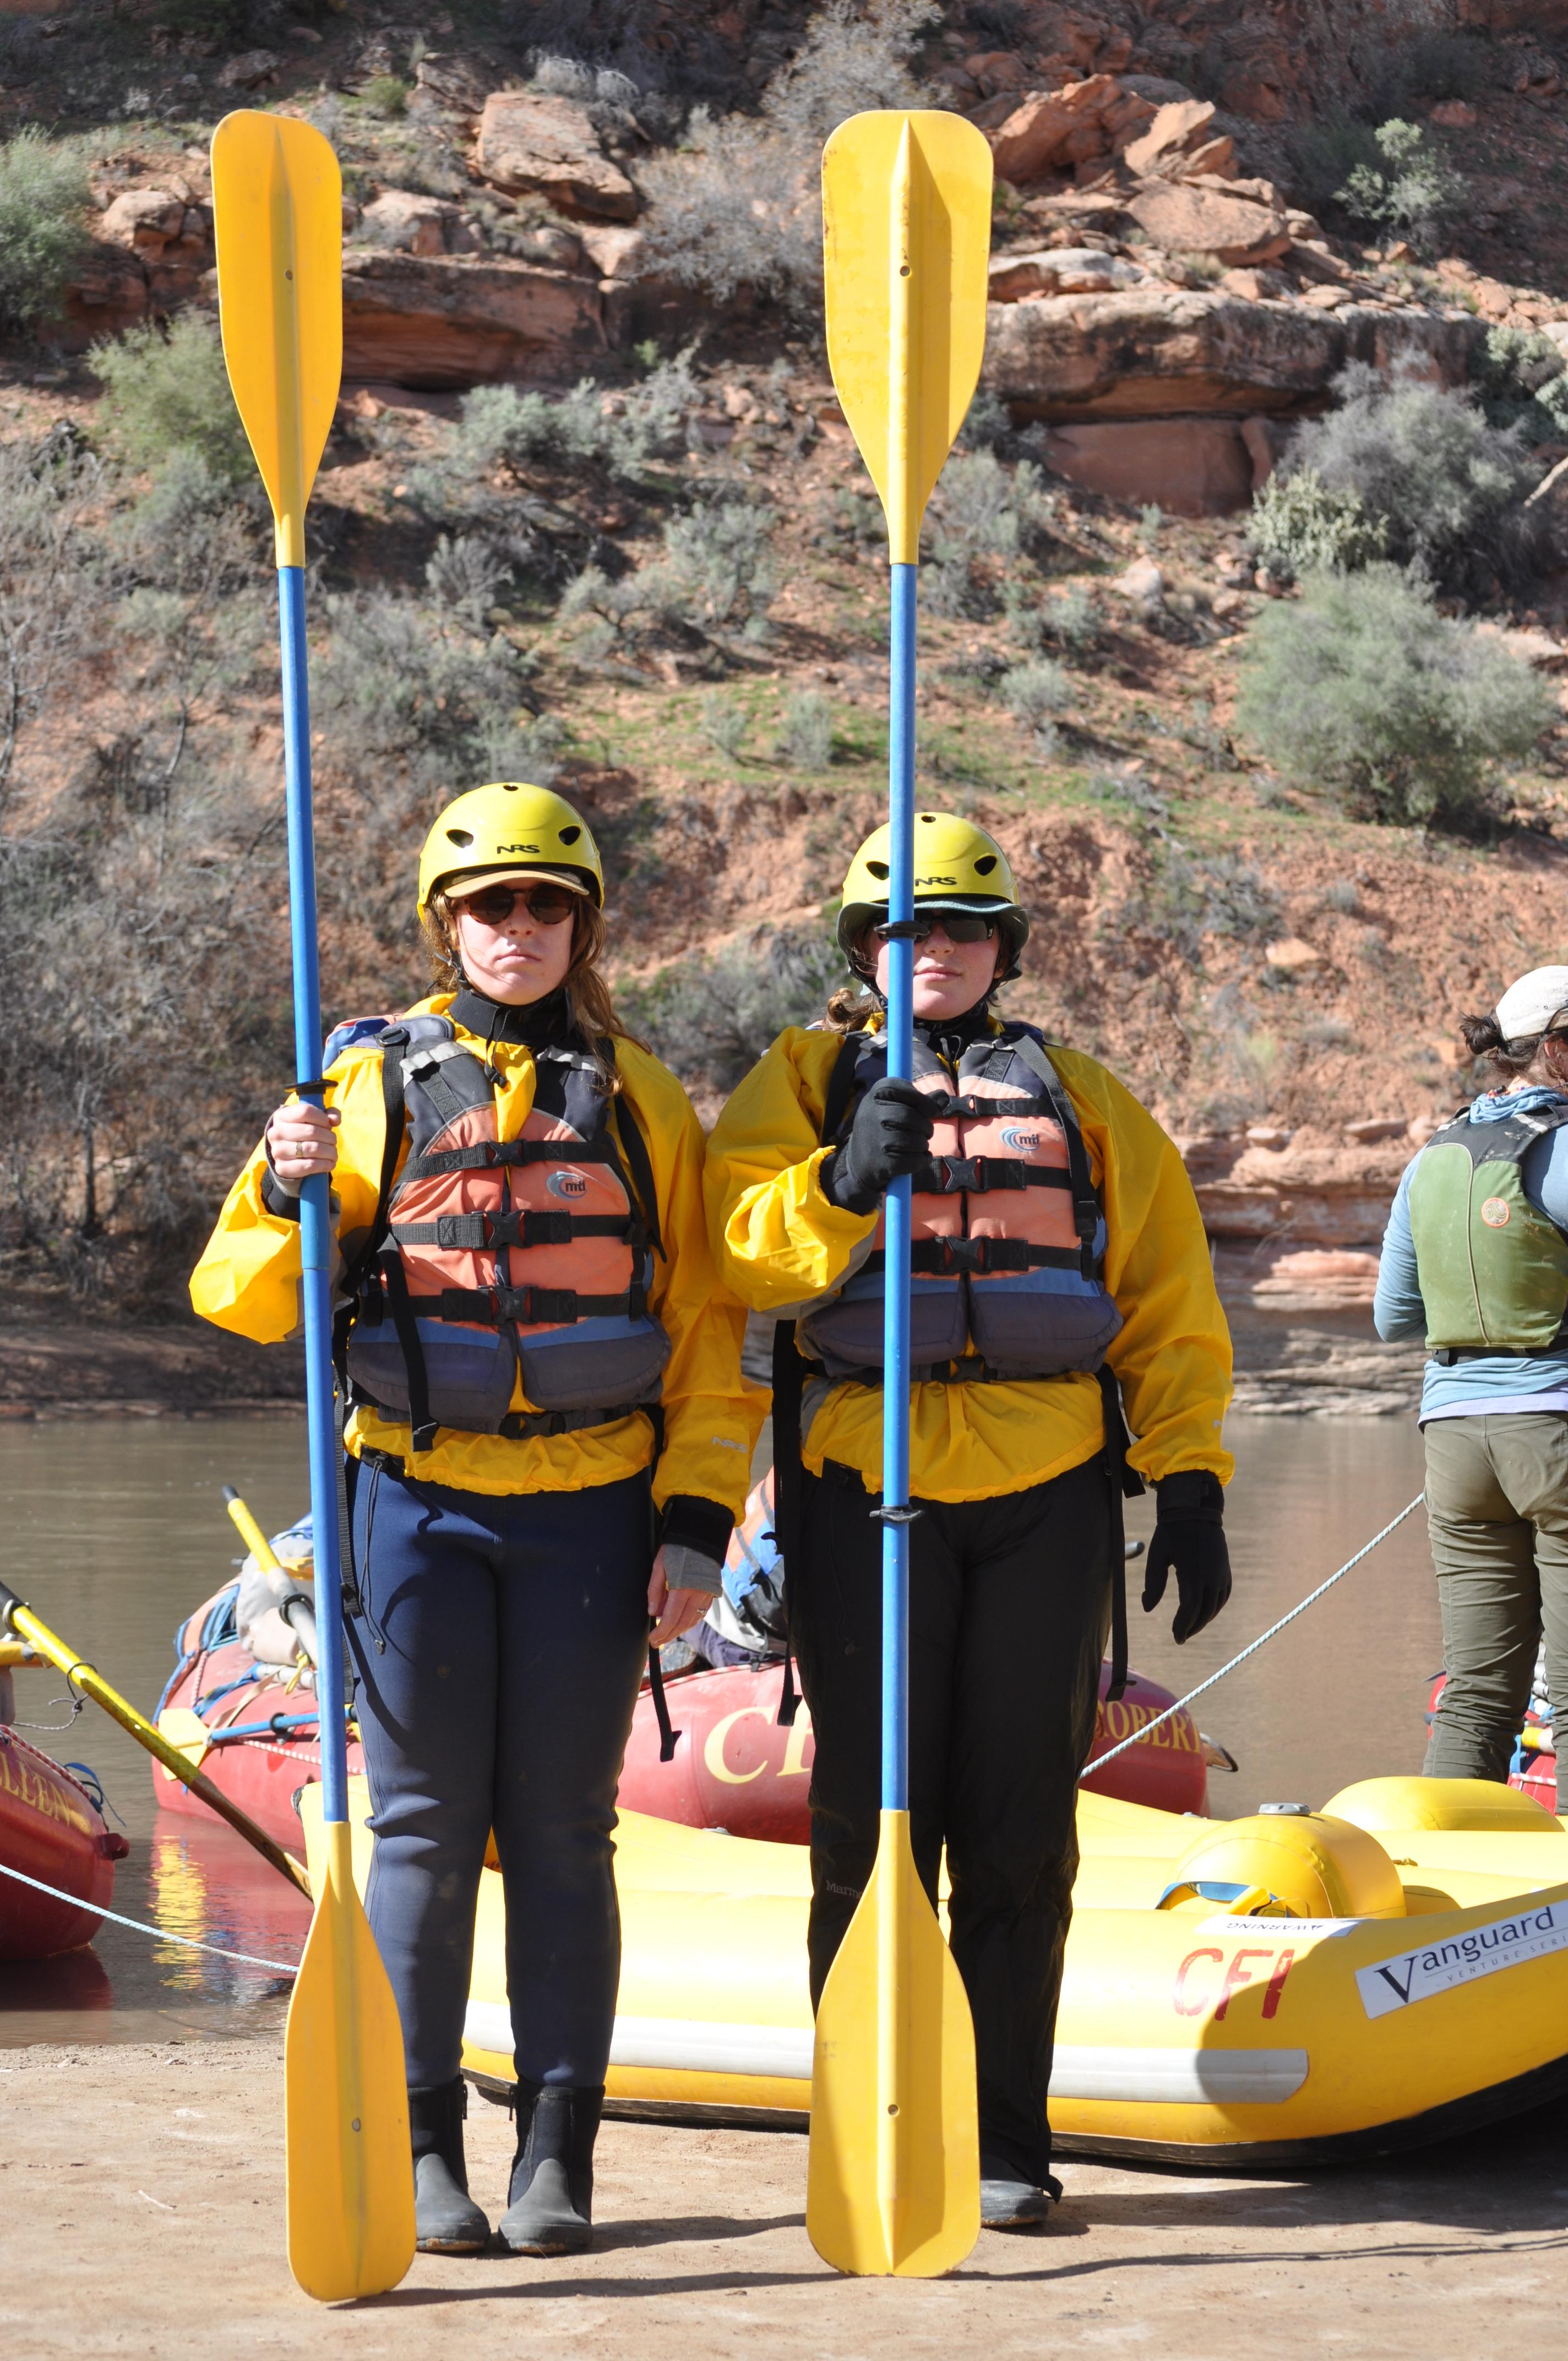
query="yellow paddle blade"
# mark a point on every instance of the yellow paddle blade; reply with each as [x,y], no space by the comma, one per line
[906,226]
[351,2190]
[278,225]
[894,2180]
[187,1732]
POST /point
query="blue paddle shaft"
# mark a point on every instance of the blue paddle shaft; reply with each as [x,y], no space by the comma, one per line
[895,1281]
[315,1205]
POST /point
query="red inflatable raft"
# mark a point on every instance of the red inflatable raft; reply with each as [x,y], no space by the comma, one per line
[735,1768]
[1533,1770]
[50,1828]
[264,1734]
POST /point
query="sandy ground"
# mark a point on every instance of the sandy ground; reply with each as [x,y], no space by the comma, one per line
[142,2201]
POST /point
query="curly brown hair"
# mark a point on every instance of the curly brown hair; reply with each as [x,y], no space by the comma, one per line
[1510,1060]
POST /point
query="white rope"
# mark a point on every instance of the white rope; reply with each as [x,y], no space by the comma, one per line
[1251,1650]
[162,1934]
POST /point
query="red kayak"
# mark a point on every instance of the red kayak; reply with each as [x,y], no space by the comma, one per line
[50,1828]
[264,1735]
[735,1768]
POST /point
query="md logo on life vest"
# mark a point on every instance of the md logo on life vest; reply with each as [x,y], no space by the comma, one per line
[1024,1141]
[1461,1960]
[568,1184]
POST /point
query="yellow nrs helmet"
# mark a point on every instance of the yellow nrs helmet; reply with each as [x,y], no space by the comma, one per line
[1287,1864]
[956,867]
[509,825]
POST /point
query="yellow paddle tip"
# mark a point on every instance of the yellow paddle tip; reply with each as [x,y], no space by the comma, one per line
[892,2185]
[350,2169]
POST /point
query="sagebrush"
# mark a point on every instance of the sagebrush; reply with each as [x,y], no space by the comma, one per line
[1362,688]
[44,194]
[166,389]
[1445,485]
[710,1019]
[739,206]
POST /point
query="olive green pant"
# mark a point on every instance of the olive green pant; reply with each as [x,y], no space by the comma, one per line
[1497,1515]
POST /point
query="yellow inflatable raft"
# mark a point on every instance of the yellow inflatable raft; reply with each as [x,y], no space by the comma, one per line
[1285,1989]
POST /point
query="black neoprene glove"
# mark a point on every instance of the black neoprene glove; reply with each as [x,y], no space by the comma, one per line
[891,1135]
[1188,1542]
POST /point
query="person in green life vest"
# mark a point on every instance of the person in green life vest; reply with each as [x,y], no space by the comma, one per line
[1475,1260]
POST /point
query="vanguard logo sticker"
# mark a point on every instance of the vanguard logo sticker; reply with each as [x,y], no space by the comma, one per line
[1479,1952]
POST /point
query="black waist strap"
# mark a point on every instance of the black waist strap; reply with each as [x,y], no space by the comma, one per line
[530,1307]
[944,1176]
[1447,1356]
[517,1426]
[525,1425]
[469,1231]
[944,1258]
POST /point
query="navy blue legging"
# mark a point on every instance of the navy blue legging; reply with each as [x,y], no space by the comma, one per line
[499,1656]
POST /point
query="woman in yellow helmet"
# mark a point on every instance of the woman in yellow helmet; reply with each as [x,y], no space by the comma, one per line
[1058,1255]
[548,1445]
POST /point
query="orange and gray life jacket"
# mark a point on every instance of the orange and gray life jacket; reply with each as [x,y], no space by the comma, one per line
[1008,1233]
[491,1257]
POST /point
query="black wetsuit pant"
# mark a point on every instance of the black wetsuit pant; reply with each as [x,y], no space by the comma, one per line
[498,1656]
[1009,1605]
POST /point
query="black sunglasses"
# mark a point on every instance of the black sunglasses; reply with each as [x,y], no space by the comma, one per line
[956,925]
[547,906]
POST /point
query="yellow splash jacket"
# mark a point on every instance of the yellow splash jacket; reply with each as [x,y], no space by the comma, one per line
[247,1280]
[780,1243]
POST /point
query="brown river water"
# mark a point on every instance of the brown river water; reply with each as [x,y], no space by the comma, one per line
[114,1532]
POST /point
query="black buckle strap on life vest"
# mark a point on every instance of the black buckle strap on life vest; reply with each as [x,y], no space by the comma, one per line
[527,1425]
[356,1283]
[969,1108]
[668,1737]
[944,1258]
[946,1176]
[490,1155]
[1125,1483]
[404,1321]
[529,1307]
[789,1386]
[469,1232]
[347,1574]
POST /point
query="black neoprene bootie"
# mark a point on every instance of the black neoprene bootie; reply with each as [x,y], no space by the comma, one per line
[446,2219]
[550,2197]
[1010,2199]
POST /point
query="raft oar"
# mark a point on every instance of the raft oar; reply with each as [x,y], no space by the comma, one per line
[297,1615]
[893,2183]
[14,1616]
[278,222]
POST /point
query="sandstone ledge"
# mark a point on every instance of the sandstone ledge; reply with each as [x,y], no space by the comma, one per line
[448,319]
[1154,352]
